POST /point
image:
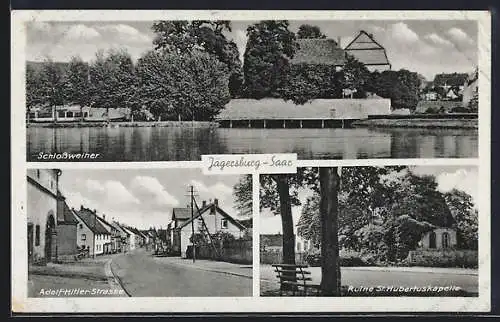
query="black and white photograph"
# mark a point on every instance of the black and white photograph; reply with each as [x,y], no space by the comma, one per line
[173,90]
[370,231]
[144,232]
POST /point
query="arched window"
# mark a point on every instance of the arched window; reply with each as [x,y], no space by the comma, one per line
[445,240]
[432,240]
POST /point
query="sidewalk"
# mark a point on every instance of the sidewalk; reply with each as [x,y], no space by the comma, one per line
[243,270]
[466,279]
[86,278]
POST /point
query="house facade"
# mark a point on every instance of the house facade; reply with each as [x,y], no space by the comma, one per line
[209,219]
[66,230]
[438,239]
[91,233]
[367,50]
[115,244]
[124,244]
[42,193]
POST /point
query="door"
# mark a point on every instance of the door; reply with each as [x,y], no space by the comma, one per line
[30,243]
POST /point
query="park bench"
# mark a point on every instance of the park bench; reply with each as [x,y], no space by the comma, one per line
[293,277]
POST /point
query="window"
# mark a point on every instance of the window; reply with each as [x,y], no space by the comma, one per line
[38,174]
[78,114]
[445,240]
[86,114]
[61,114]
[69,114]
[51,184]
[37,235]
[224,223]
[84,237]
[432,240]
[81,226]
[298,246]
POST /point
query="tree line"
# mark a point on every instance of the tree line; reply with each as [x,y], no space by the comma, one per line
[193,70]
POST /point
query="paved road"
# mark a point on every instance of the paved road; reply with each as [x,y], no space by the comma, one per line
[363,277]
[142,274]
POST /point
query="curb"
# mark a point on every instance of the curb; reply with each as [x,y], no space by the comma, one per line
[113,279]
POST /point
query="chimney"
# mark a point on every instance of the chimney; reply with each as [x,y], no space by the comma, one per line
[81,207]
[95,211]
[203,203]
[216,202]
[103,216]
[339,44]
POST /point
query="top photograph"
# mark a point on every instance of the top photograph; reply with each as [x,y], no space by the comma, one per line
[174,90]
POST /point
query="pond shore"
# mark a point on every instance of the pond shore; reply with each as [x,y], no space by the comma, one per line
[183,124]
[419,123]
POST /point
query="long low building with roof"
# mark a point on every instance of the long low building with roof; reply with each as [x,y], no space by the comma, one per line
[274,112]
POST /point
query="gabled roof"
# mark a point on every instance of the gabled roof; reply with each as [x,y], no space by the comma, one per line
[318,52]
[367,50]
[66,216]
[90,219]
[219,210]
[119,227]
[181,213]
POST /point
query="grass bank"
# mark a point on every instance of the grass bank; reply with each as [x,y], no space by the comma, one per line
[184,124]
[419,123]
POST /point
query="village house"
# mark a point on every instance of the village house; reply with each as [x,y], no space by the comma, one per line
[209,219]
[124,237]
[115,236]
[367,50]
[328,51]
[42,216]
[91,233]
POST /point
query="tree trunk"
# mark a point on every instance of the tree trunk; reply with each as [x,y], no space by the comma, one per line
[330,269]
[286,219]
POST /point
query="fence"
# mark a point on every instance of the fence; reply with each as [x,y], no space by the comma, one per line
[236,251]
[276,257]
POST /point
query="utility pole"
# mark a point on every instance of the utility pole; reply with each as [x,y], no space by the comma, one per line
[192,224]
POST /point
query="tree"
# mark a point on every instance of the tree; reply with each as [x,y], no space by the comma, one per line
[402,87]
[242,192]
[52,85]
[113,80]
[183,37]
[190,86]
[78,85]
[309,31]
[269,47]
[305,82]
[354,77]
[473,104]
[465,216]
[33,84]
[330,263]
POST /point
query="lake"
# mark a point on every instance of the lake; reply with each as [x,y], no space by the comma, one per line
[188,144]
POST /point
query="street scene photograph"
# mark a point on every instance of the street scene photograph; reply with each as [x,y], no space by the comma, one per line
[173,90]
[138,233]
[370,231]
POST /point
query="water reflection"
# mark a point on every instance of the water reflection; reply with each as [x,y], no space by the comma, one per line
[185,144]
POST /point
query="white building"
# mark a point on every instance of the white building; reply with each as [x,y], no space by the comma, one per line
[42,214]
[210,218]
[91,233]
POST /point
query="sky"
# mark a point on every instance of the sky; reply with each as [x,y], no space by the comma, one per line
[424,46]
[144,197]
[462,178]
